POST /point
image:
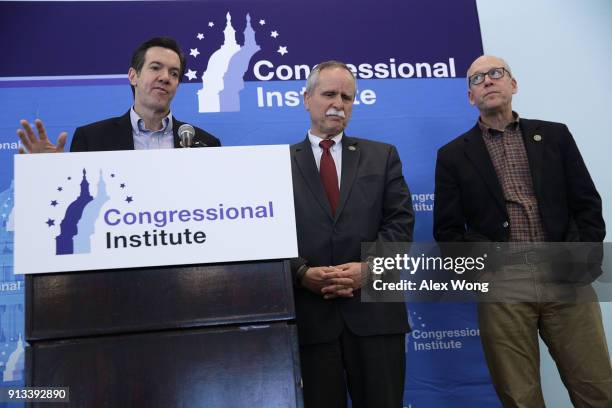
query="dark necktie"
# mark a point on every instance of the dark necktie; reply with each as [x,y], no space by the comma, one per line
[329,176]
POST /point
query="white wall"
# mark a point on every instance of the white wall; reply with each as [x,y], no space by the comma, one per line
[561,54]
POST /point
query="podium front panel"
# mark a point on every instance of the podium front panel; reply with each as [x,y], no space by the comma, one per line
[69,305]
[242,366]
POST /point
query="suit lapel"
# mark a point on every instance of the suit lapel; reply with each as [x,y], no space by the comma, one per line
[350,162]
[123,139]
[175,126]
[305,162]
[477,153]
[534,147]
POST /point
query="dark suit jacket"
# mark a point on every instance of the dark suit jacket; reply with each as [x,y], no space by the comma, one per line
[116,134]
[374,205]
[469,202]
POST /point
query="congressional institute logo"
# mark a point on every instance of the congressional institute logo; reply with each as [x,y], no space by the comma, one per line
[73,219]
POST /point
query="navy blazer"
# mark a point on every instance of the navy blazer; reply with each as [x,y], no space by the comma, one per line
[469,201]
[374,205]
[116,134]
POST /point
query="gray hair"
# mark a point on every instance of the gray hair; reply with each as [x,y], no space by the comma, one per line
[506,66]
[313,77]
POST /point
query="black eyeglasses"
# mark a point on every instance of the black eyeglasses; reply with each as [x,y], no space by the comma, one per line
[493,73]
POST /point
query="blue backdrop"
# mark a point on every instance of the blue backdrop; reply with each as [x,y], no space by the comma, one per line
[67,65]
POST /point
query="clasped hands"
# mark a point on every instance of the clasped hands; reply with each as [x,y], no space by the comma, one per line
[335,281]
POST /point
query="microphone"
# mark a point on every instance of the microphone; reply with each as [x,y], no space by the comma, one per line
[186,133]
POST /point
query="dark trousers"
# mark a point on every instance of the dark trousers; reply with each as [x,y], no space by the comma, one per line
[372,368]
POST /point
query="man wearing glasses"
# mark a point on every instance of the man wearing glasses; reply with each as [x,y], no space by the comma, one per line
[522,181]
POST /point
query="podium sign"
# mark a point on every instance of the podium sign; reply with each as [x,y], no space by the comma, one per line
[108,210]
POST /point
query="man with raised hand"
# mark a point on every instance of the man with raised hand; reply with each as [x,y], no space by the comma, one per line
[154,74]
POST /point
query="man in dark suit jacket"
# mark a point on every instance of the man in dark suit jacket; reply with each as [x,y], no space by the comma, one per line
[117,134]
[519,180]
[344,342]
[155,71]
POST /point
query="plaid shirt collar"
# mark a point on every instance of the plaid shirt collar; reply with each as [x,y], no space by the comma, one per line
[488,131]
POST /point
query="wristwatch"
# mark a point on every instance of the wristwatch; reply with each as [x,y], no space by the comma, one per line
[299,275]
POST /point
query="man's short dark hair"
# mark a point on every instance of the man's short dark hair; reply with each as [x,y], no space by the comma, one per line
[138,57]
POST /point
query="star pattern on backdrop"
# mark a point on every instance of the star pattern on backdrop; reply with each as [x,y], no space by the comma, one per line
[191,74]
[194,68]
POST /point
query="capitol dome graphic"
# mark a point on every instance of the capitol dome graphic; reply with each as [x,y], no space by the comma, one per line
[78,225]
[223,79]
[13,370]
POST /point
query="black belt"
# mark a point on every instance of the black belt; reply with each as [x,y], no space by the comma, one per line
[524,258]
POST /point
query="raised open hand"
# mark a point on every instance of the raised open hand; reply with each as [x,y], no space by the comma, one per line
[41,143]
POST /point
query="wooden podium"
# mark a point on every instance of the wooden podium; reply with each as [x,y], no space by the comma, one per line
[218,335]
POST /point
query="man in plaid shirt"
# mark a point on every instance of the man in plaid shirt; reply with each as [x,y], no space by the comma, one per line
[524,182]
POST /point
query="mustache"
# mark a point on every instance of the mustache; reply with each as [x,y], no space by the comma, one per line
[335,112]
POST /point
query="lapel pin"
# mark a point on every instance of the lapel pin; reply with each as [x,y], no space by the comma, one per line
[352,148]
[537,138]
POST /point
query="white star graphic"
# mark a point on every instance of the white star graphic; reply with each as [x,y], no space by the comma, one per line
[282,50]
[210,24]
[200,36]
[262,22]
[191,74]
[194,52]
[274,34]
